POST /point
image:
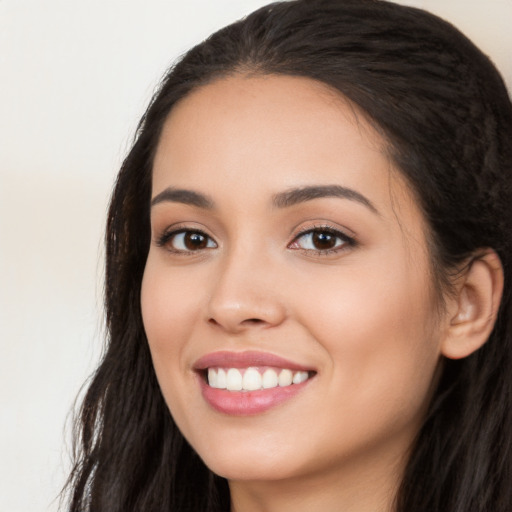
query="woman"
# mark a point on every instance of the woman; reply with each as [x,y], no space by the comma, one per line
[308,264]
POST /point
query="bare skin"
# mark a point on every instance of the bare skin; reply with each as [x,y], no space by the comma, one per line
[337,280]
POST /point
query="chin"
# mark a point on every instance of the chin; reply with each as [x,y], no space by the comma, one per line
[247,463]
[250,470]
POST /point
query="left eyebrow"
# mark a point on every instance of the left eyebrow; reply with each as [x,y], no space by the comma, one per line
[303,194]
[184,196]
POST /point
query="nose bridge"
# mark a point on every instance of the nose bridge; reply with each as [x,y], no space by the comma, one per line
[243,294]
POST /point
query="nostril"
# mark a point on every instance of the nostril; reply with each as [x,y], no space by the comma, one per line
[247,322]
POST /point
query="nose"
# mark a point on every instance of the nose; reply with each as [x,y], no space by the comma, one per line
[246,295]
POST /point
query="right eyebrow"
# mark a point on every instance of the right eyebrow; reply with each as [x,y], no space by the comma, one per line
[181,195]
[302,194]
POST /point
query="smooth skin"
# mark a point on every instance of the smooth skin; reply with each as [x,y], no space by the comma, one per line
[341,284]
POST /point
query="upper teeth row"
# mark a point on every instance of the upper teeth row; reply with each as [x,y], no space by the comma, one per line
[252,380]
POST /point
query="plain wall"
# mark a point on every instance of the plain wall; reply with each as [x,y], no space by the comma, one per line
[75,77]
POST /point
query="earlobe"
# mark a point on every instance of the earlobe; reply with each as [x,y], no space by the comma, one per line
[477,302]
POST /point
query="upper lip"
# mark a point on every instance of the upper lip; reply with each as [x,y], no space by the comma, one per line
[228,359]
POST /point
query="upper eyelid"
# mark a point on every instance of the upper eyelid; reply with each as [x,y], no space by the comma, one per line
[162,237]
[320,228]
[344,232]
[178,227]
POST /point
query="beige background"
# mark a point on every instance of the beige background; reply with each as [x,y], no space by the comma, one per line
[74,79]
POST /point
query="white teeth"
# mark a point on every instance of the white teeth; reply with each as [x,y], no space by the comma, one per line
[270,379]
[300,377]
[234,380]
[221,379]
[212,378]
[285,378]
[252,380]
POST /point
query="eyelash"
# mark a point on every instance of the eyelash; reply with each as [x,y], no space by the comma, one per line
[346,241]
[168,236]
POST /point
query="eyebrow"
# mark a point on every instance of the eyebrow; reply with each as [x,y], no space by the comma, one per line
[282,200]
[303,194]
[178,195]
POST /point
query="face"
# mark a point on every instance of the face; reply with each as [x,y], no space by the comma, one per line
[287,296]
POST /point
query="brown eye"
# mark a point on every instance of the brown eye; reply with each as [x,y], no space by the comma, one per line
[322,240]
[194,241]
[187,241]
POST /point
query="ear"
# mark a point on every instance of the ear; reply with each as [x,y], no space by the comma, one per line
[472,313]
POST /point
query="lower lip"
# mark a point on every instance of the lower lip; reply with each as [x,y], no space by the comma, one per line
[245,403]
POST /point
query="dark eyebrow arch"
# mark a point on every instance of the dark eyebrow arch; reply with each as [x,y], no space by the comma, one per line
[179,195]
[303,194]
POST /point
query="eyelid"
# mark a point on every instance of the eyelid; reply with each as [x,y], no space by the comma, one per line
[349,241]
[167,234]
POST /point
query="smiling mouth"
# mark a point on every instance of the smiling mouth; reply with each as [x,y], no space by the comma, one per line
[254,378]
[250,382]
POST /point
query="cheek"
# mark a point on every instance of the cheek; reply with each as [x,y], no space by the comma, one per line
[169,312]
[168,303]
[379,332]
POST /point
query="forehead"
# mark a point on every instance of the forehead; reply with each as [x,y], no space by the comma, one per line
[264,117]
[290,104]
[265,133]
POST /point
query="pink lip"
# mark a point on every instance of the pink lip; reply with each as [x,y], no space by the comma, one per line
[244,403]
[226,359]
